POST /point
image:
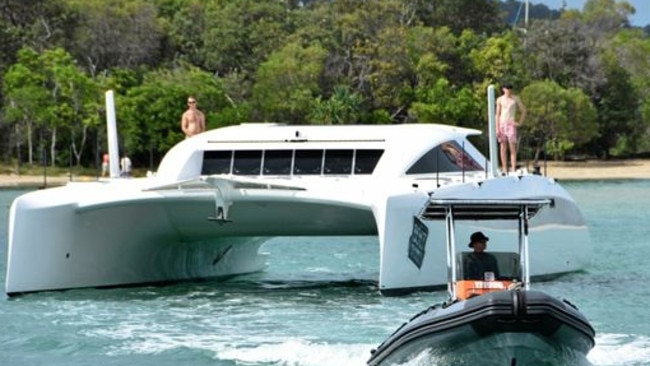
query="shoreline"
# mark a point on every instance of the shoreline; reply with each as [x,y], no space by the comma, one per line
[597,169]
[26,181]
[560,170]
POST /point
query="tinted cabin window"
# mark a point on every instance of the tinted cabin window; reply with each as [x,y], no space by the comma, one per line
[338,162]
[446,157]
[216,162]
[366,160]
[247,162]
[277,162]
[281,162]
[308,162]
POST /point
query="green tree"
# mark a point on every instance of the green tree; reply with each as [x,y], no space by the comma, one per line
[49,90]
[340,61]
[184,25]
[75,101]
[25,98]
[287,84]
[499,59]
[343,107]
[441,103]
[558,119]
[480,16]
[60,105]
[116,33]
[38,24]
[370,55]
[606,16]
[618,111]
[632,47]
[149,114]
[562,51]
[238,35]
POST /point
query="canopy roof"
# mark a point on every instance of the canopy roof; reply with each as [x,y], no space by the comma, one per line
[483,209]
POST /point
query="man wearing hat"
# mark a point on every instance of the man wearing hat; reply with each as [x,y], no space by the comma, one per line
[480,265]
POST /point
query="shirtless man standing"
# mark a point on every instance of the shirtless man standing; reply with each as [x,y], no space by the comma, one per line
[193,121]
[509,107]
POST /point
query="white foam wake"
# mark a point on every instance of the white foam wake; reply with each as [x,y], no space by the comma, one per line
[620,350]
[301,353]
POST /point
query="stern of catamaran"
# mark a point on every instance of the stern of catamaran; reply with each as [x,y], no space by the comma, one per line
[413,241]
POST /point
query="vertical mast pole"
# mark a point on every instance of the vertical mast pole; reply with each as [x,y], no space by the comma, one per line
[492,138]
[111,128]
[526,16]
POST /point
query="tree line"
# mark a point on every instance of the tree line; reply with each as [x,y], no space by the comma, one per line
[584,75]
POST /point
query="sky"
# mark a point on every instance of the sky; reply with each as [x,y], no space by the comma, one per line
[640,19]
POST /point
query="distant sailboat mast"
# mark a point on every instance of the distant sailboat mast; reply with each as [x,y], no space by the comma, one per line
[526,16]
[526,8]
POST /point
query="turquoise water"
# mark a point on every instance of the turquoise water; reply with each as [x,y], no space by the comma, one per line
[316,304]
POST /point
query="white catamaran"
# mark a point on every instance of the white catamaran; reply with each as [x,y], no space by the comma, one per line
[218,196]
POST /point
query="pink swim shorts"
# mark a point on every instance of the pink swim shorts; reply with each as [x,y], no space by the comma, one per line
[507,132]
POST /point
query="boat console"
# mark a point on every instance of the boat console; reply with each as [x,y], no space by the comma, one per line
[509,275]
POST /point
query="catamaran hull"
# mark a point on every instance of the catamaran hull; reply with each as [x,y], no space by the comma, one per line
[417,247]
[153,237]
[124,245]
[121,233]
[504,328]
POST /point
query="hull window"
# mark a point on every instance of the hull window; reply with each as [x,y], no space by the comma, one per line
[308,162]
[366,161]
[446,157]
[291,162]
[216,162]
[247,162]
[277,162]
[338,162]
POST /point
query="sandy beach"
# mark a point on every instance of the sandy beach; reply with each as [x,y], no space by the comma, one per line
[598,169]
[574,170]
[38,181]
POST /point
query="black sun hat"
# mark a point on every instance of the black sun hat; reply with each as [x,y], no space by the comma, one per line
[477,236]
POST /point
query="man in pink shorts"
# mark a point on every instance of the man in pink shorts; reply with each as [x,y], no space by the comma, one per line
[507,107]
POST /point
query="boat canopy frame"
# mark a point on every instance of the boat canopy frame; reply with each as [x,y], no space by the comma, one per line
[452,210]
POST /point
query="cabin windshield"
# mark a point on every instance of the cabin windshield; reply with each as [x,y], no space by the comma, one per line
[508,266]
[444,158]
[291,162]
[474,279]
